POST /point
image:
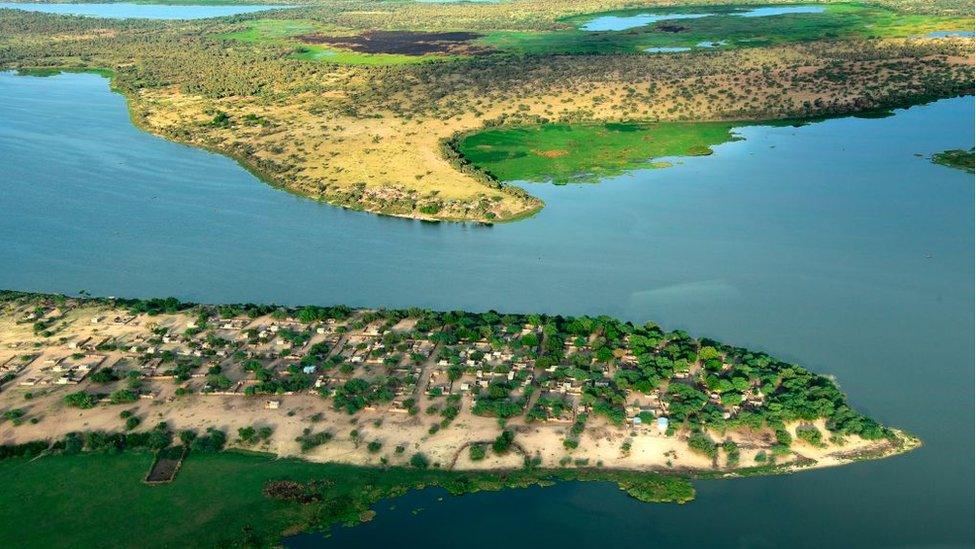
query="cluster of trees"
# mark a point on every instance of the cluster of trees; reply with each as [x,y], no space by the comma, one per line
[271,382]
[358,393]
[309,440]
[498,402]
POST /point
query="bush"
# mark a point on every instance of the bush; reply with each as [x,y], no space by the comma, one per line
[309,441]
[80,399]
[701,443]
[731,453]
[477,452]
[123,396]
[810,434]
[503,443]
[419,461]
[210,443]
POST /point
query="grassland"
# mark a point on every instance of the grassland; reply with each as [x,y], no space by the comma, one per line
[956,158]
[345,57]
[99,499]
[564,153]
[837,21]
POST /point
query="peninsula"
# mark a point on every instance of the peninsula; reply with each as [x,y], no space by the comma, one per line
[436,110]
[467,401]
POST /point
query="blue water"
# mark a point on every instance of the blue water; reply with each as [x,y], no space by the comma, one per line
[832,245]
[624,22]
[947,34]
[140,11]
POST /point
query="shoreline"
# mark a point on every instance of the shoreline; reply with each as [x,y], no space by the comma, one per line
[477,173]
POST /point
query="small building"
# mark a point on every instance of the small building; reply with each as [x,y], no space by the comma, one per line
[662,424]
[272,404]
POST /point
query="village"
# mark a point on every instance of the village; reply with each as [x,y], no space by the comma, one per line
[377,387]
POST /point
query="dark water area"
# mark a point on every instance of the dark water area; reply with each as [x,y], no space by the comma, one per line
[837,245]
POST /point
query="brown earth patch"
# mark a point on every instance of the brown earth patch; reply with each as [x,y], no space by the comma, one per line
[403,42]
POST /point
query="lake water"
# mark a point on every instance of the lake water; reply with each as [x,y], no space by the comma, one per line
[141,11]
[624,22]
[831,244]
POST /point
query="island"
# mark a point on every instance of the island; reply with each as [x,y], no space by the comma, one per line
[957,158]
[307,416]
[443,111]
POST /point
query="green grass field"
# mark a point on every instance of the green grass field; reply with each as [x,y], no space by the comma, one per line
[269,30]
[99,500]
[564,153]
[312,52]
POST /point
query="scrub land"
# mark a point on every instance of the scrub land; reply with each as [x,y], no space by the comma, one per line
[367,105]
[337,408]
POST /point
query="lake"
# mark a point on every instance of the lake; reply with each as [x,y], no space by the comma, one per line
[624,22]
[142,11]
[837,245]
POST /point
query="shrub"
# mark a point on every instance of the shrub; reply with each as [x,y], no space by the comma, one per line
[419,461]
[477,452]
[701,443]
[503,443]
[80,399]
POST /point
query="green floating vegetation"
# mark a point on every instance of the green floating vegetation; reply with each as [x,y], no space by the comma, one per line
[237,499]
[957,158]
[725,28]
[571,153]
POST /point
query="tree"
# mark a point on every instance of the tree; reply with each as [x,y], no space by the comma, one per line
[503,442]
[160,437]
[419,461]
[246,434]
[80,399]
[123,396]
[187,436]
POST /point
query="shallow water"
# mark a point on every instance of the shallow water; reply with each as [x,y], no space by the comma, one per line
[831,244]
[673,49]
[947,34]
[624,22]
[141,11]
